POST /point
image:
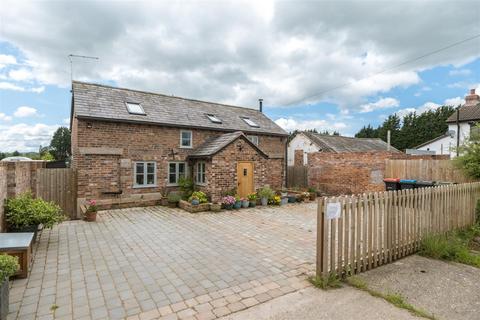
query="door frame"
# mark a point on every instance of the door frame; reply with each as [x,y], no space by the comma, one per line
[252,174]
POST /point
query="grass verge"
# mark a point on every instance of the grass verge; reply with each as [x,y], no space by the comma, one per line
[454,246]
[395,299]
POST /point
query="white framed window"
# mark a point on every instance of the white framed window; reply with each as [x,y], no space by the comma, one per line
[176,170]
[214,118]
[253,139]
[135,108]
[250,122]
[200,173]
[145,174]
[185,139]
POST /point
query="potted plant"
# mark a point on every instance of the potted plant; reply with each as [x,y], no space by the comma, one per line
[25,214]
[173,199]
[91,213]
[245,203]
[228,202]
[313,193]
[238,203]
[284,200]
[194,200]
[200,196]
[215,207]
[292,198]
[265,194]
[252,198]
[275,200]
[8,267]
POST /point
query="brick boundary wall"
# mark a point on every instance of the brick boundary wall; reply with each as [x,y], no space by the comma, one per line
[352,172]
[298,157]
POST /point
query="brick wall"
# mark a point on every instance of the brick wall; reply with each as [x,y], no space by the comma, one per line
[104,154]
[298,158]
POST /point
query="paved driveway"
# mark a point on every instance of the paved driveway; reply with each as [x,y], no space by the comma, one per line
[144,263]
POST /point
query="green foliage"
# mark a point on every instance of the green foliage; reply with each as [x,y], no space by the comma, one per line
[47,156]
[8,266]
[232,192]
[312,190]
[60,145]
[265,192]
[411,131]
[174,197]
[332,281]
[469,159]
[252,197]
[187,187]
[477,213]
[24,211]
[199,195]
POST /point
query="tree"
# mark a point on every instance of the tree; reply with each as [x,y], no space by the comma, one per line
[15,153]
[469,159]
[60,145]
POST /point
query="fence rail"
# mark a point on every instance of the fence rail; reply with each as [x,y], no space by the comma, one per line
[425,169]
[297,176]
[378,228]
[59,186]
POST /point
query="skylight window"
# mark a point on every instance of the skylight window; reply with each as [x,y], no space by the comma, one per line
[213,118]
[135,108]
[250,122]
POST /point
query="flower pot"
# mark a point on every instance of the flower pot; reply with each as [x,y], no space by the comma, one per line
[264,201]
[215,207]
[237,205]
[284,201]
[91,216]
[228,206]
[164,201]
[253,204]
[292,199]
[195,202]
[172,204]
[245,203]
[4,293]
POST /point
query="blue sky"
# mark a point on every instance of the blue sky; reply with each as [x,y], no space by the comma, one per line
[276,51]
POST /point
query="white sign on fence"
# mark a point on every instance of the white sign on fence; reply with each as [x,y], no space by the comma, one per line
[333,210]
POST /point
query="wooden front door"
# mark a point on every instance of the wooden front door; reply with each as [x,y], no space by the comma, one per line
[245,178]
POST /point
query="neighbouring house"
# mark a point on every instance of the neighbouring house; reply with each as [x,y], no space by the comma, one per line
[130,146]
[305,142]
[458,131]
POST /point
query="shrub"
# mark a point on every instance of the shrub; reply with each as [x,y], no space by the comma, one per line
[275,200]
[252,197]
[477,213]
[201,196]
[8,266]
[25,211]
[186,186]
[228,200]
[266,192]
[173,197]
[312,190]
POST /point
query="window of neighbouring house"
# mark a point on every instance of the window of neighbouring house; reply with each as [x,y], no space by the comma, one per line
[200,174]
[185,139]
[135,108]
[145,174]
[250,122]
[214,118]
[253,139]
[176,170]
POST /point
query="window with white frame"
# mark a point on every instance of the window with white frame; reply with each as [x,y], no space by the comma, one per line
[185,139]
[135,108]
[200,173]
[145,174]
[176,170]
[253,139]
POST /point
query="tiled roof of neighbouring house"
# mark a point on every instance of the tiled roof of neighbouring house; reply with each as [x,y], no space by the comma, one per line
[216,144]
[109,103]
[340,144]
[470,111]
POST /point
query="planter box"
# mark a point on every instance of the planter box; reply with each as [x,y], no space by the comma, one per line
[187,206]
[4,292]
[18,245]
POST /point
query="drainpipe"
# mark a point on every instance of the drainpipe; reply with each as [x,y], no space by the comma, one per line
[388,140]
[458,128]
[285,161]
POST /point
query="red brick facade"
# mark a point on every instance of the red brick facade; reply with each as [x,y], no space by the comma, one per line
[104,154]
[298,157]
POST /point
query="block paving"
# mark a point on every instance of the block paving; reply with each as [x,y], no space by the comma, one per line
[162,263]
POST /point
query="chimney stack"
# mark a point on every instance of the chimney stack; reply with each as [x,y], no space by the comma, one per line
[472,99]
[260,104]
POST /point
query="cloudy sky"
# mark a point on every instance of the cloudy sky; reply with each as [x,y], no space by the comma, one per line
[327,64]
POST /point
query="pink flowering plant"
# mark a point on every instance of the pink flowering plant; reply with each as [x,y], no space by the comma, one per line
[228,200]
[92,206]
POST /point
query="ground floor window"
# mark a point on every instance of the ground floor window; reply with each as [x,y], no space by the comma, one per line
[145,173]
[176,170]
[200,173]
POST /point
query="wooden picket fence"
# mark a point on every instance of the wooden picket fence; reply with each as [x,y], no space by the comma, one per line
[378,228]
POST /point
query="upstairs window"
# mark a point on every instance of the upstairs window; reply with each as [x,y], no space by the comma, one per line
[135,108]
[213,118]
[253,139]
[250,122]
[185,139]
[145,174]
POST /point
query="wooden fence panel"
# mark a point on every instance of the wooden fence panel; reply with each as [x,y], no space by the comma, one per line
[377,228]
[424,169]
[297,176]
[59,186]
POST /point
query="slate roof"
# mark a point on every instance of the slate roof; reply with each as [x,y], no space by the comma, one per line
[467,113]
[338,144]
[216,144]
[103,102]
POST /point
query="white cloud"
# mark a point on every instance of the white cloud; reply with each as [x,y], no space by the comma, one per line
[454,101]
[460,72]
[25,137]
[291,124]
[383,103]
[25,111]
[10,86]
[6,60]
[21,74]
[66,121]
[4,117]
[421,109]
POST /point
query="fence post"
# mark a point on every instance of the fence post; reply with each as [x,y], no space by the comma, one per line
[321,245]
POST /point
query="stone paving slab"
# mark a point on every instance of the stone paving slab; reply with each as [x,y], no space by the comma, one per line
[157,262]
